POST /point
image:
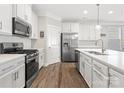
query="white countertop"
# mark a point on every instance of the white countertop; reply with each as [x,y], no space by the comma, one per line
[8,57]
[113,59]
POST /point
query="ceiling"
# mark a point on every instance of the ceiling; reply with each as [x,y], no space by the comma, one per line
[75,11]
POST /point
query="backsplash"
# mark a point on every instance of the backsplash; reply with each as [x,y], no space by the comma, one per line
[25,41]
[86,43]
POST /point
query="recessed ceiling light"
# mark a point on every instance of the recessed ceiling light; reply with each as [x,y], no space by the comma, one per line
[85,11]
[110,12]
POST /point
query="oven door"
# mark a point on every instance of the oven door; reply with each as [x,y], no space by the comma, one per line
[21,28]
[32,67]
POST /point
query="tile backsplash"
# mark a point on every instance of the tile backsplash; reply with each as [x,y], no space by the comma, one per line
[7,38]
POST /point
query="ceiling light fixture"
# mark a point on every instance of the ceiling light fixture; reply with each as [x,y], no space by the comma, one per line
[85,11]
[98,26]
[110,12]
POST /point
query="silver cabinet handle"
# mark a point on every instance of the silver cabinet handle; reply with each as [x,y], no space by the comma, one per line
[97,66]
[100,77]
[14,76]
[1,25]
[17,75]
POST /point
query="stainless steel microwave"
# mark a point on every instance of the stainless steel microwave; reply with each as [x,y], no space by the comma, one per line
[20,27]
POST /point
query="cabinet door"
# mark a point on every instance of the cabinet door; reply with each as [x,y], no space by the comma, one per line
[5,19]
[84,32]
[92,32]
[6,81]
[88,74]
[116,79]
[66,27]
[20,9]
[34,26]
[82,66]
[99,80]
[20,76]
[74,27]
[28,13]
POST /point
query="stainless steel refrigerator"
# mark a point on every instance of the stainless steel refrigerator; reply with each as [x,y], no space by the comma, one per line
[69,41]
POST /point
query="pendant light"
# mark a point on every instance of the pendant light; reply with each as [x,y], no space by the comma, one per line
[98,26]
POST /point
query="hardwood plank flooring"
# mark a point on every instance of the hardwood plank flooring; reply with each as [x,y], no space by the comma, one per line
[59,75]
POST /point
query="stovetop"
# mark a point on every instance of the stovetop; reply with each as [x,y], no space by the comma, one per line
[24,51]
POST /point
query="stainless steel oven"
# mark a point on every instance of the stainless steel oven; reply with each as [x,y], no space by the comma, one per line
[21,27]
[32,68]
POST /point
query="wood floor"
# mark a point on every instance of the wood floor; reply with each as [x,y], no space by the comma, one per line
[59,75]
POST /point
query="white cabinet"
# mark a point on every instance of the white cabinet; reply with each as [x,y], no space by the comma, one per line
[84,32]
[66,28]
[74,27]
[34,34]
[70,27]
[99,80]
[82,65]
[6,81]
[19,75]
[41,58]
[88,32]
[23,11]
[116,79]
[12,74]
[92,32]
[28,13]
[88,70]
[20,11]
[6,19]
[100,75]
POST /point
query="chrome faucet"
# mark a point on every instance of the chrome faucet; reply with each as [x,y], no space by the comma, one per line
[103,50]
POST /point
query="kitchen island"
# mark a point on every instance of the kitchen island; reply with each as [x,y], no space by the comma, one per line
[102,69]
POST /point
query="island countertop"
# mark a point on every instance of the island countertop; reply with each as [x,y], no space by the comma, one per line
[112,59]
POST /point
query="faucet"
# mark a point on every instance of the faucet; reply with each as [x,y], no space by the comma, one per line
[103,50]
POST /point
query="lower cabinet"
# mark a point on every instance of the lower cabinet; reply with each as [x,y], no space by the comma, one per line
[12,74]
[116,79]
[14,78]
[82,68]
[19,77]
[88,71]
[99,80]
[6,81]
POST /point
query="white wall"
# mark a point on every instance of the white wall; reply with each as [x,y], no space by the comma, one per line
[25,41]
[43,22]
[42,26]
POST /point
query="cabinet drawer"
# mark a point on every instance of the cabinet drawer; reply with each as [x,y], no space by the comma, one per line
[99,80]
[4,68]
[87,59]
[116,79]
[100,67]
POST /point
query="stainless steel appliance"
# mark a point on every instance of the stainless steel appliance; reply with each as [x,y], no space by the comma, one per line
[20,27]
[31,59]
[69,41]
[77,59]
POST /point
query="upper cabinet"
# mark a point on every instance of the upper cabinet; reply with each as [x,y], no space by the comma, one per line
[70,27]
[34,34]
[23,11]
[6,19]
[88,32]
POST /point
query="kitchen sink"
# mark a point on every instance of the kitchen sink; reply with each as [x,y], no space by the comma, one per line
[96,53]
